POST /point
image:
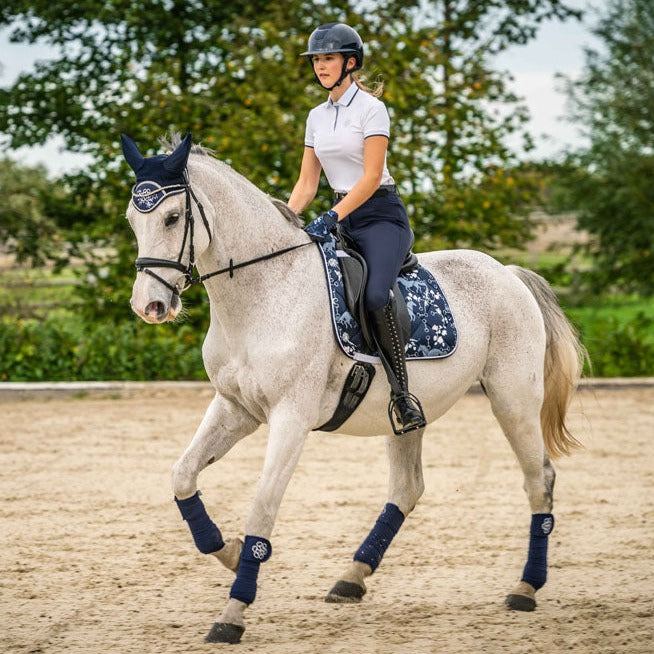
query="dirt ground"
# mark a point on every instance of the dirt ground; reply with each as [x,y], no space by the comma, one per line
[95,558]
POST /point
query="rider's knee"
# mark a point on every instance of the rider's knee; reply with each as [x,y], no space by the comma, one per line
[376,298]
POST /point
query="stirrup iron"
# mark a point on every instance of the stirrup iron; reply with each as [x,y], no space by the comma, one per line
[420,423]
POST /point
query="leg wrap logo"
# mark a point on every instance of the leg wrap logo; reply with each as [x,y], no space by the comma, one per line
[259,550]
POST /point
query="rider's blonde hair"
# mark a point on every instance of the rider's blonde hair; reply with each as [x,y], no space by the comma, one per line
[375,90]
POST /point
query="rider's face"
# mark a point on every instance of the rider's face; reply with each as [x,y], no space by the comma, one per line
[328,67]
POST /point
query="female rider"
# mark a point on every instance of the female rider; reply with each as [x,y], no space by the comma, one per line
[347,137]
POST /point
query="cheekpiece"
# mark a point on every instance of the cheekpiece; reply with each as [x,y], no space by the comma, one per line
[148,195]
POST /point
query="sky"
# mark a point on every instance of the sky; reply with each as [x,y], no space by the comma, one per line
[558,48]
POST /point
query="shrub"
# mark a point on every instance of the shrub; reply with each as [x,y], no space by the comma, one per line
[57,350]
[618,348]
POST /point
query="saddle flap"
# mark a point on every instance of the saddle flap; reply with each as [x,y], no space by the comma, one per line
[355,275]
[433,329]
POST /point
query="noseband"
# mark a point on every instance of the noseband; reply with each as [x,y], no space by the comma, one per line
[145,264]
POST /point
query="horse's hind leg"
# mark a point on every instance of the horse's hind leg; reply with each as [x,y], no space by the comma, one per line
[405,487]
[516,400]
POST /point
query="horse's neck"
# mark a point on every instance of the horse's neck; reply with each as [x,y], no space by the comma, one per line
[246,225]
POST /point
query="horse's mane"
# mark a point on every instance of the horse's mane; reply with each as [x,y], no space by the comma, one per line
[170,143]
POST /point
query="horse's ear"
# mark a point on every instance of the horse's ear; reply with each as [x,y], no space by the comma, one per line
[176,161]
[131,153]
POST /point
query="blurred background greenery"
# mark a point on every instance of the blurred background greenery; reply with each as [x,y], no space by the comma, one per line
[229,72]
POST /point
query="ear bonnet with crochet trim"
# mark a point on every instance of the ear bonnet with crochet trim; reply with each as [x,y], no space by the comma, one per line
[157,177]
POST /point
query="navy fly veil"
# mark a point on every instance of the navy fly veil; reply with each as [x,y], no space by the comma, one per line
[433,331]
[157,177]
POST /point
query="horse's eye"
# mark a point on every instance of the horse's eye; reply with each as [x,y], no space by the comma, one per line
[171,219]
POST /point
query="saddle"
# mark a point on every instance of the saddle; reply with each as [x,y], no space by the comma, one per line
[355,277]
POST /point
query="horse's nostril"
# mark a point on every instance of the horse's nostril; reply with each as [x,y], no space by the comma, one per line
[155,308]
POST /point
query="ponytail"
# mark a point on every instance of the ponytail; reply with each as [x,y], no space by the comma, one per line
[375,90]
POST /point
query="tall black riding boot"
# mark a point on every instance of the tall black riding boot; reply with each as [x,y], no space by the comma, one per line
[391,343]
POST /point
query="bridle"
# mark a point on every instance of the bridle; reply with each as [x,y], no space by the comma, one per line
[145,264]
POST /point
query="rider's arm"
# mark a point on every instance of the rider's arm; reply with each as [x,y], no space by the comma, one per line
[374,155]
[306,187]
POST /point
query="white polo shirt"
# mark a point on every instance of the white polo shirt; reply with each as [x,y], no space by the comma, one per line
[336,131]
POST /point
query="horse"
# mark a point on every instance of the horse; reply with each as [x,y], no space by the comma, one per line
[271,357]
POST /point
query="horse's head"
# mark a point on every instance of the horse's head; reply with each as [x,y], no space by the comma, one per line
[161,215]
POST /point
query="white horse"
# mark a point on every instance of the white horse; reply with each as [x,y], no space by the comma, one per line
[272,358]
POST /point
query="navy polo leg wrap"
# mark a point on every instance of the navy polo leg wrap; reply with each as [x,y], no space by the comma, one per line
[255,552]
[374,547]
[535,572]
[206,535]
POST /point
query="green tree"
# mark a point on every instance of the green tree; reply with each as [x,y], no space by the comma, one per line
[454,115]
[610,181]
[230,73]
[30,213]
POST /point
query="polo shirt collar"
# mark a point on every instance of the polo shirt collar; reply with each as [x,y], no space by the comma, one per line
[346,98]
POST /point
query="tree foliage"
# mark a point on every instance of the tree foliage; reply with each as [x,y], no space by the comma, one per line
[230,73]
[30,213]
[610,182]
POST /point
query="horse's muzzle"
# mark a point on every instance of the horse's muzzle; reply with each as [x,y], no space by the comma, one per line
[157,310]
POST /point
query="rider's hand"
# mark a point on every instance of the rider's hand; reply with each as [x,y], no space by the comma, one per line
[319,228]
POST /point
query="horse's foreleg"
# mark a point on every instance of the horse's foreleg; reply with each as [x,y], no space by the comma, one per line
[406,485]
[285,441]
[223,425]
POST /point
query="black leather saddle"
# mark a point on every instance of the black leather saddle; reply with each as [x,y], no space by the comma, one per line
[355,277]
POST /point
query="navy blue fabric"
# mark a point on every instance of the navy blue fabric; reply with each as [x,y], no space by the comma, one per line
[255,551]
[374,547]
[319,228]
[535,572]
[148,195]
[163,169]
[206,535]
[156,177]
[153,169]
[433,330]
[380,228]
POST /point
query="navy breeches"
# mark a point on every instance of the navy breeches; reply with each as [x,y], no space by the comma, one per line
[380,228]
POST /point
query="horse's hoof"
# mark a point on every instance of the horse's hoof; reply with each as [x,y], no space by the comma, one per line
[222,632]
[345,592]
[520,602]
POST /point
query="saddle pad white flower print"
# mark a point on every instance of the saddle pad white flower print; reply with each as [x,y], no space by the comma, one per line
[433,330]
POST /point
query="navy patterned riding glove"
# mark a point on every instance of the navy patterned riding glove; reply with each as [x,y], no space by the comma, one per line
[319,228]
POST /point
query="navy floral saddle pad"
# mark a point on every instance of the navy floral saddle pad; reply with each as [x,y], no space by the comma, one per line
[433,331]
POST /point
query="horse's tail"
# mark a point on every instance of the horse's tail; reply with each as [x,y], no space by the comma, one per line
[564,361]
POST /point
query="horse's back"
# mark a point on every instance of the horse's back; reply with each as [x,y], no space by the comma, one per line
[499,322]
[478,284]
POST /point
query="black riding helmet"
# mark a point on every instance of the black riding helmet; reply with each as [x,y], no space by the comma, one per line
[336,37]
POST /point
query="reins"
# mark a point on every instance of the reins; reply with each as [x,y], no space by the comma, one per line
[145,264]
[232,266]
